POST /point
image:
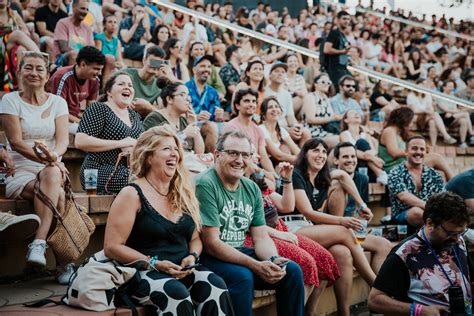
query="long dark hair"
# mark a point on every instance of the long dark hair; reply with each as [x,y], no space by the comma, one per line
[401,118]
[323,179]
[168,89]
[245,78]
[263,112]
[169,45]
[110,83]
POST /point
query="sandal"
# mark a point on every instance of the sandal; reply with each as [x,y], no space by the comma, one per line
[450,140]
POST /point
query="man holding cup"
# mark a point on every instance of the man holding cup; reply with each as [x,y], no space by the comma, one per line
[346,159]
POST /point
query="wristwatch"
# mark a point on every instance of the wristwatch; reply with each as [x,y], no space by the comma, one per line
[195,255]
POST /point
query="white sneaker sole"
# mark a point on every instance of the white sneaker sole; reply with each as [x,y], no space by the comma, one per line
[22,227]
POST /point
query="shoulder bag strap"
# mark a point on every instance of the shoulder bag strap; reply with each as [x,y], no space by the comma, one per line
[117,163]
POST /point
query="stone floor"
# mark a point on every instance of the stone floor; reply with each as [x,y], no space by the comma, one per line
[30,291]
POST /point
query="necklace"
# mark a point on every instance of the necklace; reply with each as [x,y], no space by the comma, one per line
[156,189]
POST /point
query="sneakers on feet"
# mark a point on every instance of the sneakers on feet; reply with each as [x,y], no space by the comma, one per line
[463,146]
[450,140]
[386,219]
[64,276]
[469,236]
[383,178]
[13,227]
[36,253]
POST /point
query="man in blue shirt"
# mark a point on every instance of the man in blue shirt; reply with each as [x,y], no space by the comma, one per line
[205,101]
[343,101]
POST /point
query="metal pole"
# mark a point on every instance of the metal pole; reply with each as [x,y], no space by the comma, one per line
[416,24]
[310,53]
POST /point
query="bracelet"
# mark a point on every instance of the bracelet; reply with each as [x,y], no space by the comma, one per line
[412,309]
[285,180]
[152,262]
[418,309]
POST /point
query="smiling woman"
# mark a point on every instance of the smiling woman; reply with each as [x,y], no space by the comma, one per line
[108,131]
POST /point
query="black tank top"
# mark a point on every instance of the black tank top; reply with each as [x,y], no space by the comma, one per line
[154,235]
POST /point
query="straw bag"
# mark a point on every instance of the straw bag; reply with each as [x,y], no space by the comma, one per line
[73,228]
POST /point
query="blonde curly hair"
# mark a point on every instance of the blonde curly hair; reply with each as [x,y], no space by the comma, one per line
[181,193]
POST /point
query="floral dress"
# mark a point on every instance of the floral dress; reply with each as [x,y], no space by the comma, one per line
[316,262]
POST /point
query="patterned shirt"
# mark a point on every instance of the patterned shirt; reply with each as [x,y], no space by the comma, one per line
[126,24]
[229,75]
[411,273]
[207,101]
[400,180]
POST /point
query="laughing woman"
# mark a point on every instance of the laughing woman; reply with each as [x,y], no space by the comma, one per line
[108,129]
[155,221]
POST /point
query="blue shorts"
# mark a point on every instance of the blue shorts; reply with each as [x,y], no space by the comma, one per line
[401,218]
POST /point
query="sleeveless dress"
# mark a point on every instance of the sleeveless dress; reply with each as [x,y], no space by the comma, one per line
[323,110]
[389,161]
[154,235]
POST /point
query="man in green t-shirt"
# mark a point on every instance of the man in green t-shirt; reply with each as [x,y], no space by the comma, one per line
[144,79]
[231,206]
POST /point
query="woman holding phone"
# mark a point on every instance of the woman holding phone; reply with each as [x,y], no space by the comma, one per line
[154,222]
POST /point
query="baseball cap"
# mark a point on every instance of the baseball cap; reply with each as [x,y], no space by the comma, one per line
[278,65]
[202,58]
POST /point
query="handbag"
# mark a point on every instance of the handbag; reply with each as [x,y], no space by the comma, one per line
[101,284]
[73,229]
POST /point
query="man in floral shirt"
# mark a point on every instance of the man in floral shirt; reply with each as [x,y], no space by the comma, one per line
[230,73]
[411,183]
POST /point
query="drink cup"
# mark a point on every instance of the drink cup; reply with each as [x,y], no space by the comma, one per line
[90,181]
[361,233]
[402,232]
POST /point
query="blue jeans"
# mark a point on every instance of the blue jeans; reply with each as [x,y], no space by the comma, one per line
[241,282]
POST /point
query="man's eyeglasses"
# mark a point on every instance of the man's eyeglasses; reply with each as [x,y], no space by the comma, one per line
[235,154]
[452,234]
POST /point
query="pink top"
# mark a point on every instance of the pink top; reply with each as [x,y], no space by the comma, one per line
[253,131]
[76,36]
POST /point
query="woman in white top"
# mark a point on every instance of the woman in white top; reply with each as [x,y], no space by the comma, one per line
[454,116]
[422,105]
[295,83]
[279,144]
[32,115]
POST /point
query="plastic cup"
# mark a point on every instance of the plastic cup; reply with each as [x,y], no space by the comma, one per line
[90,181]
[361,233]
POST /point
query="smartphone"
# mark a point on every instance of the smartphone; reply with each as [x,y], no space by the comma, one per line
[192,266]
[283,264]
[155,63]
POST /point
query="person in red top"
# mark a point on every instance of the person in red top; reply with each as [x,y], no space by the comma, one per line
[78,84]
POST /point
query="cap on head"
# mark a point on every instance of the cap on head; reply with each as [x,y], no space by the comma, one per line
[279,65]
[200,59]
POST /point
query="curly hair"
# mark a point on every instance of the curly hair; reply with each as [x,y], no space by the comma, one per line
[446,207]
[181,194]
[90,55]
[323,179]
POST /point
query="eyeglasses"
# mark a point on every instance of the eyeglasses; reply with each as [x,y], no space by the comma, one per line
[182,94]
[451,234]
[235,154]
[32,53]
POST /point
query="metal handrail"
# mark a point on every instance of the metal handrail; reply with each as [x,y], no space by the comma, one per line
[416,24]
[310,53]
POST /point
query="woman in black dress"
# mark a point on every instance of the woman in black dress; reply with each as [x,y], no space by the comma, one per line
[108,128]
[155,221]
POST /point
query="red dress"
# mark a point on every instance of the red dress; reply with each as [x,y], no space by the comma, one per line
[316,262]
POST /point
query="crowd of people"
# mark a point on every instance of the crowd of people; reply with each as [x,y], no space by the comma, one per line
[147,92]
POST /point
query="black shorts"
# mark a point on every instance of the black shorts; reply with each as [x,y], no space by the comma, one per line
[447,120]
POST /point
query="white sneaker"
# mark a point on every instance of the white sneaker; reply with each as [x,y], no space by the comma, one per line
[64,276]
[383,178]
[463,146]
[386,219]
[469,236]
[36,253]
[13,227]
